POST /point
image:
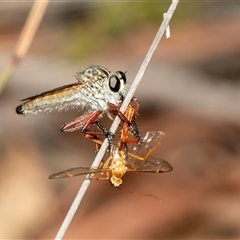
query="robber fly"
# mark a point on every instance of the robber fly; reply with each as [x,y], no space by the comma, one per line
[95,89]
[137,159]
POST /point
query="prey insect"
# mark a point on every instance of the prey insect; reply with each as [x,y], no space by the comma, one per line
[95,88]
[129,117]
[138,159]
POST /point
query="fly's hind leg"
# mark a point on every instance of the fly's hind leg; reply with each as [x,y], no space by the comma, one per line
[85,121]
[109,135]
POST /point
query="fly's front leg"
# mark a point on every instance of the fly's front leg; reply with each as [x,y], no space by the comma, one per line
[133,125]
[109,135]
[133,128]
[129,118]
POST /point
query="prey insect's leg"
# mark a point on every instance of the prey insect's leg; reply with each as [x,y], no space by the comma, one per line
[102,179]
[107,173]
[95,139]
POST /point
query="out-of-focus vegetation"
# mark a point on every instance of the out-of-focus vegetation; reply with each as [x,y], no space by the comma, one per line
[102,23]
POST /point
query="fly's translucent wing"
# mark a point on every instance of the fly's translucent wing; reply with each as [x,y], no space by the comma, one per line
[72,172]
[60,98]
[55,90]
[139,157]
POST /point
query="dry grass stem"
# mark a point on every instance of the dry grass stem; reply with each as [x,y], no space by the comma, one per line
[24,41]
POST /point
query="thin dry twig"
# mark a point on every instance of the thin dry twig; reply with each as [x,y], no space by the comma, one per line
[24,41]
[116,122]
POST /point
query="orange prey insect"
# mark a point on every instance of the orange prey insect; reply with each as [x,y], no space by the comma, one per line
[136,158]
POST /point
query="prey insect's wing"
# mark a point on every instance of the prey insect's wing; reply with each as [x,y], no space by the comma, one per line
[150,165]
[73,172]
[151,141]
[139,157]
[60,98]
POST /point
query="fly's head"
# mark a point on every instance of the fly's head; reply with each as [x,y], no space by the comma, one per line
[118,167]
[116,88]
[103,86]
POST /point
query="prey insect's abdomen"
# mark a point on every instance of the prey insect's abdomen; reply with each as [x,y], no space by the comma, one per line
[59,98]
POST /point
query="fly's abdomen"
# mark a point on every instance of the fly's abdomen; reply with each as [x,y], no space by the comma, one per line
[60,98]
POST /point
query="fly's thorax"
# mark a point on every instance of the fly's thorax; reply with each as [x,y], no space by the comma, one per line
[91,74]
[118,167]
[102,87]
[93,79]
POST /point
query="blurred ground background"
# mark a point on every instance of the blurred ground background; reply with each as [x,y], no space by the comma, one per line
[190,91]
